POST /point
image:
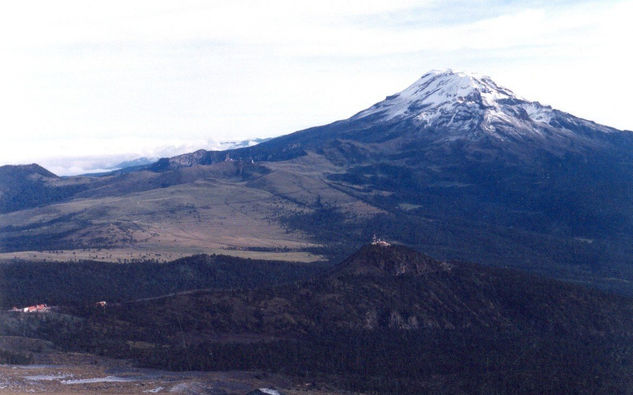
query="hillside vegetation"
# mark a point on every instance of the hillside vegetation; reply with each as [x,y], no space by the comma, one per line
[385,320]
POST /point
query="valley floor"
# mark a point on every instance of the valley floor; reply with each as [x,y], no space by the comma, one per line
[160,255]
[64,373]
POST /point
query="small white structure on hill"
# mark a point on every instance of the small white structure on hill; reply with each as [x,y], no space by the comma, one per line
[38,308]
[379,242]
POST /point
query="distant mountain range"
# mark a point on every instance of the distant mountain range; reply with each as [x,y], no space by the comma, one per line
[454,164]
[105,163]
[222,146]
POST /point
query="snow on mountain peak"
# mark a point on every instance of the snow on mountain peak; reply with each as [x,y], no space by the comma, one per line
[437,90]
[464,105]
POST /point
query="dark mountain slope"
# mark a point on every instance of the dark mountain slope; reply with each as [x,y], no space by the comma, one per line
[388,319]
[394,287]
[26,186]
[24,283]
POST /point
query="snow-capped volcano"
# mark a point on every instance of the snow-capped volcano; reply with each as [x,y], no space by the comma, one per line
[463,102]
[444,114]
[439,91]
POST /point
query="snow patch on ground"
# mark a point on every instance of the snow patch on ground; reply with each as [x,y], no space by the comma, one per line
[108,379]
[47,377]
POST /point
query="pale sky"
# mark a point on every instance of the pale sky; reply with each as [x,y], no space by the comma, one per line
[86,82]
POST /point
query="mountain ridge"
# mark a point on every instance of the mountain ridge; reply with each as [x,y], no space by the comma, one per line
[381,258]
[25,171]
[464,169]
